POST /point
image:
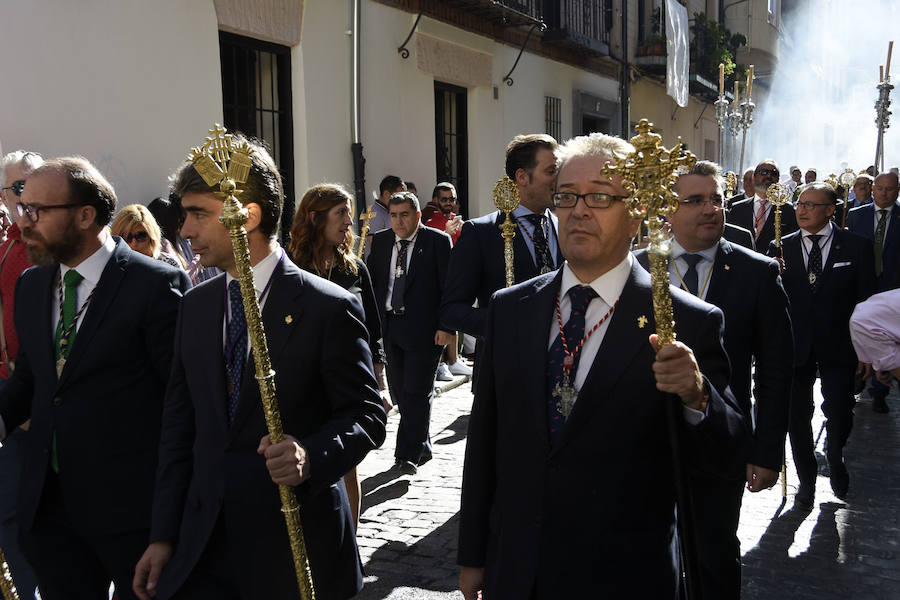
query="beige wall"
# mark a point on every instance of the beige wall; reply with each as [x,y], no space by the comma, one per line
[129,84]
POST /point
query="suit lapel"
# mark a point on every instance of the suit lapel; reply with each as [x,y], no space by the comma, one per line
[532,350]
[418,251]
[209,318]
[104,293]
[623,340]
[46,338]
[720,280]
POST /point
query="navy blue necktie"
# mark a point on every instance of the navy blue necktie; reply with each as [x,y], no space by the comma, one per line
[544,261]
[235,347]
[581,296]
[814,268]
[691,278]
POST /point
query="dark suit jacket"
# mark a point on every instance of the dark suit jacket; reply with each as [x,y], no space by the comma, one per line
[821,319]
[593,514]
[748,289]
[861,220]
[742,214]
[106,407]
[424,285]
[328,400]
[477,270]
[740,236]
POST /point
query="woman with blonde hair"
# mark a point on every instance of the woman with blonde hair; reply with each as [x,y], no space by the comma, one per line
[322,242]
[138,228]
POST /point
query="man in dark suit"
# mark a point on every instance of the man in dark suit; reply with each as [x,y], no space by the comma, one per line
[757,214]
[747,287]
[408,263]
[539,518]
[218,531]
[879,221]
[747,183]
[95,323]
[477,268]
[827,271]
[739,235]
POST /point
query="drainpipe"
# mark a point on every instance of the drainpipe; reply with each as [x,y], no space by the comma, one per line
[625,86]
[356,149]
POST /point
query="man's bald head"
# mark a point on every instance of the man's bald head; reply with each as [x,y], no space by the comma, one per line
[885,189]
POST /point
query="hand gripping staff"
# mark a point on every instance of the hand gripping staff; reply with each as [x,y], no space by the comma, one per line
[222,162]
[649,175]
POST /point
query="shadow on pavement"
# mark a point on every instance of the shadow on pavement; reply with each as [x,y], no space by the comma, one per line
[458,427]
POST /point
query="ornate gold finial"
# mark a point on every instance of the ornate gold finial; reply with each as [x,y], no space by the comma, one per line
[364,230]
[730,183]
[832,180]
[846,179]
[649,175]
[7,587]
[506,199]
[222,162]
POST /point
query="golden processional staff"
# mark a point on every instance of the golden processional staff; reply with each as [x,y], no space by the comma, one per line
[506,199]
[364,231]
[649,176]
[222,162]
[730,183]
[846,179]
[778,195]
[6,581]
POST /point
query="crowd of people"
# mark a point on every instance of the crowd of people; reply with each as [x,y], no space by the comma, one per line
[135,448]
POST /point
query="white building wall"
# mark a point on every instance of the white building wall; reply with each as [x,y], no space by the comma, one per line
[129,84]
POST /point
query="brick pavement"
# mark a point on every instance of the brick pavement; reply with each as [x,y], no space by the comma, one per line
[838,550]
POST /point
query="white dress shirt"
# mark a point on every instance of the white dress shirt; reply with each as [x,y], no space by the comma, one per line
[757,202]
[609,287]
[393,265]
[678,266]
[827,234]
[550,233]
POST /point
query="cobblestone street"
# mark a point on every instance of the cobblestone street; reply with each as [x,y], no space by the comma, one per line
[407,534]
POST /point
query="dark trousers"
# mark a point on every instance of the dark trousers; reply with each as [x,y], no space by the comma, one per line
[717,508]
[411,372]
[10,470]
[837,391]
[72,563]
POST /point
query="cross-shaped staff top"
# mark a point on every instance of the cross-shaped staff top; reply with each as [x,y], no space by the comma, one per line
[649,174]
[367,216]
[221,159]
[778,194]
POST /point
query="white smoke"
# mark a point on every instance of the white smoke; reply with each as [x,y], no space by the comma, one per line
[820,108]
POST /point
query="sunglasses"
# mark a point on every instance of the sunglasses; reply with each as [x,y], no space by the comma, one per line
[764,172]
[16,187]
[140,237]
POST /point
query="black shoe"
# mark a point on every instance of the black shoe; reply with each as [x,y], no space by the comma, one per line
[805,495]
[879,405]
[407,467]
[840,478]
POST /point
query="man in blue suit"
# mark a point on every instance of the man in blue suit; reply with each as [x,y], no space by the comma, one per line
[95,323]
[879,221]
[218,531]
[568,487]
[408,263]
[827,271]
[747,287]
[477,268]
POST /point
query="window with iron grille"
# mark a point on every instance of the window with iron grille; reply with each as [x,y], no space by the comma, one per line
[553,116]
[256,98]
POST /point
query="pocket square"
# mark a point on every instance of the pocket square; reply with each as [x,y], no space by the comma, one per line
[842,264]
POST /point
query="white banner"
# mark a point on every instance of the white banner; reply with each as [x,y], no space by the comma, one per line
[677,52]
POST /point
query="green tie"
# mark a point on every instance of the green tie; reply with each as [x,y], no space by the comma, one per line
[65,331]
[879,240]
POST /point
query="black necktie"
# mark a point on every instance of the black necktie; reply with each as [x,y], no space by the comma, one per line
[235,347]
[543,258]
[879,240]
[397,304]
[691,277]
[814,268]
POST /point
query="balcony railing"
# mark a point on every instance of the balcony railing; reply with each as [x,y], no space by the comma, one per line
[584,23]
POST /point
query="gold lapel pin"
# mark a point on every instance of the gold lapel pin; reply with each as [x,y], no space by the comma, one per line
[289,319]
[642,320]
[727,268]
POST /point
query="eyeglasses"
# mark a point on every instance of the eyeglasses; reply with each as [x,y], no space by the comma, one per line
[812,205]
[16,187]
[33,211]
[139,237]
[764,172]
[593,200]
[716,201]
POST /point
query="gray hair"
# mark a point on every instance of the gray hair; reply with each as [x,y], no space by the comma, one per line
[707,168]
[595,144]
[820,186]
[29,161]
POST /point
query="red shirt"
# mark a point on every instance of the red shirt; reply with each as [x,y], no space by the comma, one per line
[439,221]
[16,261]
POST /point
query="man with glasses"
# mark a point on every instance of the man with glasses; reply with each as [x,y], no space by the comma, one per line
[757,214]
[747,287]
[568,489]
[96,326]
[15,168]
[827,271]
